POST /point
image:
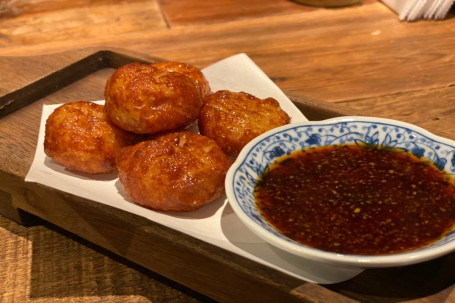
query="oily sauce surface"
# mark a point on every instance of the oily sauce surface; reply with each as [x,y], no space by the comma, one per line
[357,200]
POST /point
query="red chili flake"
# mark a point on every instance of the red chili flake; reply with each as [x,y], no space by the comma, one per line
[357,200]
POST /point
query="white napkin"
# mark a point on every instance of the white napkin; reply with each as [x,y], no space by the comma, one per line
[411,10]
[216,223]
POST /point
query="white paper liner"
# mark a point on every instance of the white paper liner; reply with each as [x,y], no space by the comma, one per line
[216,223]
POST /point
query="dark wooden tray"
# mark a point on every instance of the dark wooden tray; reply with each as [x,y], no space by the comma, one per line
[29,82]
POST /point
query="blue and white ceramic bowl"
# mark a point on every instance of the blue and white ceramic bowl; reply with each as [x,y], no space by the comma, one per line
[259,153]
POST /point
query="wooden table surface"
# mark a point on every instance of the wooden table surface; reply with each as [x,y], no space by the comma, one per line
[361,58]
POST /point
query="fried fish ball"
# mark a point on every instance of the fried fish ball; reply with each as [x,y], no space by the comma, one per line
[79,136]
[178,171]
[189,70]
[233,119]
[146,100]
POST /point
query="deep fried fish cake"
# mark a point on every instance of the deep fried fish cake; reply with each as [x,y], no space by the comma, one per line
[189,70]
[178,171]
[233,119]
[146,100]
[79,137]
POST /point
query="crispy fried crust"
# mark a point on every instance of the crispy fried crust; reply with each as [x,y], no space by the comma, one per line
[191,71]
[146,100]
[178,171]
[79,137]
[233,119]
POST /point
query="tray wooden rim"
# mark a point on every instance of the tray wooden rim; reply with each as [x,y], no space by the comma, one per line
[26,196]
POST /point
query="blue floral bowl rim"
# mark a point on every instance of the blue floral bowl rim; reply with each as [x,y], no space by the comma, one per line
[365,261]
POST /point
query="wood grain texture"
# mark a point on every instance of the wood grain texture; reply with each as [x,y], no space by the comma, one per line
[322,54]
[193,12]
[359,60]
[132,237]
[432,109]
[55,73]
[50,73]
[11,8]
[32,22]
[46,264]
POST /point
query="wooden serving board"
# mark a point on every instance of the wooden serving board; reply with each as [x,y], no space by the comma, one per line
[29,82]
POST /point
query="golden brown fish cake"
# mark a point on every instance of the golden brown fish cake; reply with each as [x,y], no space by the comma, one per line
[189,70]
[233,119]
[79,137]
[179,171]
[146,100]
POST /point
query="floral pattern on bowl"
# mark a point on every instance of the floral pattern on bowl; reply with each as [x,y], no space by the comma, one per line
[262,151]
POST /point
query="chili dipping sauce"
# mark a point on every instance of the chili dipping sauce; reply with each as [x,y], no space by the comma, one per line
[357,200]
